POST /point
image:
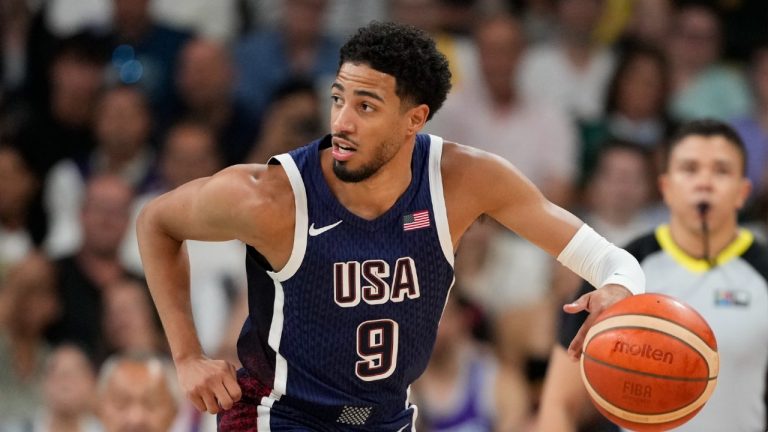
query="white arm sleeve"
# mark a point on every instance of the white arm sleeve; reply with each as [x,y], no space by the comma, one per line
[600,262]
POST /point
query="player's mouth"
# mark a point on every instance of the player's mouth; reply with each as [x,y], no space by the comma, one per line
[341,149]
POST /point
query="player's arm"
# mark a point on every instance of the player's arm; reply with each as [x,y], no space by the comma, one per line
[482,183]
[222,207]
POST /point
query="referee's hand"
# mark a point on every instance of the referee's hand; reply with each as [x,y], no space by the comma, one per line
[211,385]
[593,302]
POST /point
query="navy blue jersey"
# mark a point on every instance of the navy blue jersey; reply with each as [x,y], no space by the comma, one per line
[350,321]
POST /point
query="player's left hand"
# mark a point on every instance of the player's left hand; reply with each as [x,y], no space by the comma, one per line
[593,302]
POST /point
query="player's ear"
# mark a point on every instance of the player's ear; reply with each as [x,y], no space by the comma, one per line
[417,117]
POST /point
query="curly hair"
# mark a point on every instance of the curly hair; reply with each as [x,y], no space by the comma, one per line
[408,54]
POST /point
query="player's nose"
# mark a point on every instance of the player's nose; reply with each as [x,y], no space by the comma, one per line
[343,120]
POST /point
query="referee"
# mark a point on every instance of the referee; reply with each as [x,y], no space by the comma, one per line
[703,258]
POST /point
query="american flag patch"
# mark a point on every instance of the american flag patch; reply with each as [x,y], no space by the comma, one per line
[416,220]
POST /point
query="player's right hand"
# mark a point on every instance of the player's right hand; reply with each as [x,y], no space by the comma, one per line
[211,385]
[594,302]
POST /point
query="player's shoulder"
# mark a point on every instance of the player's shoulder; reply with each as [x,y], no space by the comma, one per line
[251,197]
[256,186]
[252,176]
[462,152]
[458,159]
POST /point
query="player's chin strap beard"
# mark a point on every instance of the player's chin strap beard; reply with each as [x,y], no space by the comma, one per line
[703,208]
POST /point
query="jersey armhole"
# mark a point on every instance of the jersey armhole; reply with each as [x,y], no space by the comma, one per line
[438,199]
[301,219]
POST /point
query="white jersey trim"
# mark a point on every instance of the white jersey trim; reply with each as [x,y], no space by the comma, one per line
[301,220]
[438,199]
[290,268]
[275,336]
[262,415]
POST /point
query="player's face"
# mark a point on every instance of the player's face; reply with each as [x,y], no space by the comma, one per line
[369,122]
[705,169]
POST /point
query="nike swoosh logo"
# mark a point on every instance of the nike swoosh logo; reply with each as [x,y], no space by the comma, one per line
[317,231]
[403,428]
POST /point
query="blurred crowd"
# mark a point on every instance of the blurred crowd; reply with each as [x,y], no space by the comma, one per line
[105,104]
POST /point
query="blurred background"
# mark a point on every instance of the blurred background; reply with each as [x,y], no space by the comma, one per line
[105,104]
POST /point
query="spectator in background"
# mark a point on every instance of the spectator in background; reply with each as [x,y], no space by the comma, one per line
[189,151]
[205,82]
[743,27]
[428,15]
[129,319]
[296,47]
[211,19]
[539,18]
[492,114]
[465,387]
[64,101]
[122,128]
[635,106]
[85,276]
[292,120]
[138,392]
[758,215]
[459,17]
[342,19]
[620,191]
[15,21]
[573,70]
[215,19]
[702,86]
[28,305]
[649,23]
[69,387]
[66,17]
[753,127]
[21,218]
[218,272]
[145,52]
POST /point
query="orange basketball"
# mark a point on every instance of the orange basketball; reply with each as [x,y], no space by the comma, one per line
[650,362]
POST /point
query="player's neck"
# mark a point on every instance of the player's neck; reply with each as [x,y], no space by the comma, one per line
[372,197]
[691,239]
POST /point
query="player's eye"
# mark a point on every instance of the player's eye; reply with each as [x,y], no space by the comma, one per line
[336,99]
[366,107]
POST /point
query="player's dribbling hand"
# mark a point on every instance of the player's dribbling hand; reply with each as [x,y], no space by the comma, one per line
[211,385]
[593,302]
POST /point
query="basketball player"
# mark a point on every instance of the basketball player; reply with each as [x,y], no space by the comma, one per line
[350,250]
[704,259]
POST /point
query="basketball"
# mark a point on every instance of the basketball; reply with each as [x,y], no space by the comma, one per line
[650,362]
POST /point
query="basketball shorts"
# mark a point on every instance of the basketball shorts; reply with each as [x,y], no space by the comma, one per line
[252,414]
